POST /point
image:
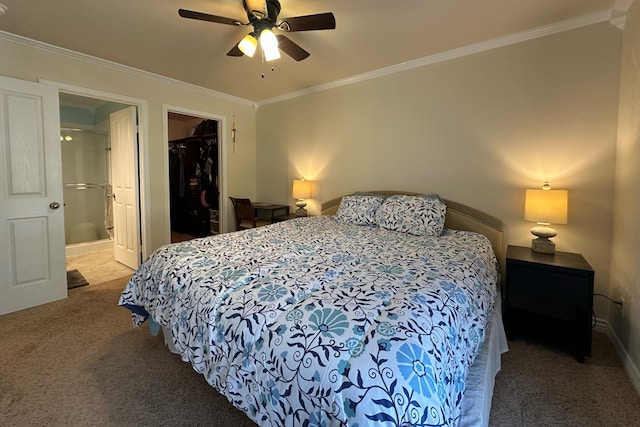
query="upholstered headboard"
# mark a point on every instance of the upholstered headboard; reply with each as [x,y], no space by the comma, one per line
[459,217]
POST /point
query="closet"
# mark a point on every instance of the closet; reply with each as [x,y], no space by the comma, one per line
[193,175]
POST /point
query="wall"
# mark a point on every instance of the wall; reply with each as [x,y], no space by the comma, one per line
[625,264]
[77,115]
[22,59]
[180,128]
[478,130]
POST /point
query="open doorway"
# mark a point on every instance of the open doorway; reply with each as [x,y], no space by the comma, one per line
[194,176]
[87,140]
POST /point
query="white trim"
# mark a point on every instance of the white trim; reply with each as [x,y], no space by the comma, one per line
[120,67]
[222,156]
[601,326]
[619,13]
[84,248]
[558,27]
[629,366]
[143,150]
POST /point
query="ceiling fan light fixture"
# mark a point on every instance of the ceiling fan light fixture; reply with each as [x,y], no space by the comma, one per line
[269,44]
[248,45]
[263,17]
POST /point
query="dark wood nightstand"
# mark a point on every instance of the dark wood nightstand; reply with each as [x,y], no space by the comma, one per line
[551,292]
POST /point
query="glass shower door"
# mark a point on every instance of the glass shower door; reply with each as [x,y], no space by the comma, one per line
[87,192]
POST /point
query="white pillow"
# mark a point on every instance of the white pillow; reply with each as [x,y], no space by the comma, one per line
[359,210]
[420,216]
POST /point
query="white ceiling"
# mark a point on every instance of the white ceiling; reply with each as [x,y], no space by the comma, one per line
[370,35]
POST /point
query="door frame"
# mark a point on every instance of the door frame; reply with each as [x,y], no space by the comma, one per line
[222,170]
[143,149]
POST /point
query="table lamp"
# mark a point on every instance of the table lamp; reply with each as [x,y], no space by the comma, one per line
[545,207]
[301,191]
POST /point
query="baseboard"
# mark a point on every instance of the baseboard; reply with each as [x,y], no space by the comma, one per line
[84,248]
[601,326]
[629,366]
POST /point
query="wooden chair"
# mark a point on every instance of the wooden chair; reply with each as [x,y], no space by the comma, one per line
[245,214]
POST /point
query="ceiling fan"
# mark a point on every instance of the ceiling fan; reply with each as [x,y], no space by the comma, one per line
[263,16]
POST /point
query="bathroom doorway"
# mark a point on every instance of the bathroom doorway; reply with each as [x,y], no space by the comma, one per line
[87,186]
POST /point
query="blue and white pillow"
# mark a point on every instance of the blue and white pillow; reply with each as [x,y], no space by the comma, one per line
[359,210]
[420,216]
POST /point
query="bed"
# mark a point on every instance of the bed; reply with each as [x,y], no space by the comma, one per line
[384,311]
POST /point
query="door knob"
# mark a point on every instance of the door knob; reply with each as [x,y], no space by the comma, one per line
[54,205]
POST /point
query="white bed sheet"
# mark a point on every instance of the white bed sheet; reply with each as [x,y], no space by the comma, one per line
[476,404]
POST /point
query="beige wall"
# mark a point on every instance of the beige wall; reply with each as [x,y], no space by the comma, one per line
[26,62]
[625,265]
[179,129]
[478,130]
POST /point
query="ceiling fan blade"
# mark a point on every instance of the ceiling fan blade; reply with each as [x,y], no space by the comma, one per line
[206,17]
[319,21]
[290,48]
[235,51]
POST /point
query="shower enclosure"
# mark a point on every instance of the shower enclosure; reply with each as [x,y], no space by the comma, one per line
[87,190]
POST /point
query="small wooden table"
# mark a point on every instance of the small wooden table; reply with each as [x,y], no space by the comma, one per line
[267,211]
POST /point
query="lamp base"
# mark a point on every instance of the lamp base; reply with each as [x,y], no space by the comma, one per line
[543,245]
[301,211]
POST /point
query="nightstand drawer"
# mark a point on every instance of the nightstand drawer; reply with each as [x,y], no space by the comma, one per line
[530,282]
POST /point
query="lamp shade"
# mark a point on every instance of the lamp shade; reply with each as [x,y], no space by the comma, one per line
[546,206]
[301,189]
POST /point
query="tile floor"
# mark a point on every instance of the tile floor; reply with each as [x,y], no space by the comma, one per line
[98,267]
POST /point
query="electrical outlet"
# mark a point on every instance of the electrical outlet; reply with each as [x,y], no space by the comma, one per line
[622,307]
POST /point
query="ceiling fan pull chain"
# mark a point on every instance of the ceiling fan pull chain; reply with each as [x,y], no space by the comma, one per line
[272,70]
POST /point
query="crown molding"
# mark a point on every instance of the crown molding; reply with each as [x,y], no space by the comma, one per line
[616,16]
[120,67]
[619,13]
[558,27]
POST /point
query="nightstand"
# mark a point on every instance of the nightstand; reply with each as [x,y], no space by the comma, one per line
[553,293]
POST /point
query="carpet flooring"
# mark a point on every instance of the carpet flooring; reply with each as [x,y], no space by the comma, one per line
[79,362]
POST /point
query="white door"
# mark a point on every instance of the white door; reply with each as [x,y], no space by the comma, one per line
[32,258]
[124,180]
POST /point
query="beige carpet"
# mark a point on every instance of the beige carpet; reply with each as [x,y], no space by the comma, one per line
[540,385]
[79,362]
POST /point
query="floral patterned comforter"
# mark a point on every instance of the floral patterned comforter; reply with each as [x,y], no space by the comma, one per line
[316,322]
